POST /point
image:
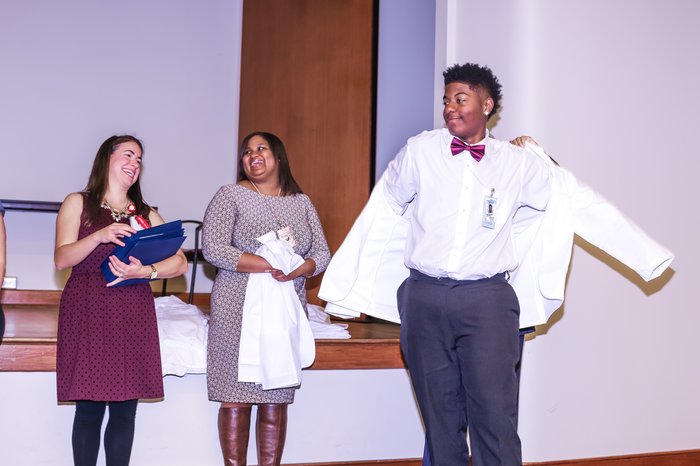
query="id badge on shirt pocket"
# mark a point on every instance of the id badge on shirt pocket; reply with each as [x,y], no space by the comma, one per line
[488,219]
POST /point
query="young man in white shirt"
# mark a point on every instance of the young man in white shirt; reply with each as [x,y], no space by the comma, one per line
[459,315]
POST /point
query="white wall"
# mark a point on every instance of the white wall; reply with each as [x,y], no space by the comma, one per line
[406,54]
[615,374]
[610,90]
[338,415]
[75,72]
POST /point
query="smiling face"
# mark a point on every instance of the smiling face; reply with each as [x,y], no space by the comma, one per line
[466,110]
[125,164]
[259,163]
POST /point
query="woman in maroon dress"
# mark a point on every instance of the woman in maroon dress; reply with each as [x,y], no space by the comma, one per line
[108,352]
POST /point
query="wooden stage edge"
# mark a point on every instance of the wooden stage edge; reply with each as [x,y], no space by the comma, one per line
[671,458]
[30,337]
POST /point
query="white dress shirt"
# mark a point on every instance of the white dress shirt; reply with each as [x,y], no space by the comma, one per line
[446,235]
[368,268]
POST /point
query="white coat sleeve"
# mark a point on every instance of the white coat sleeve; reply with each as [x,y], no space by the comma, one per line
[600,223]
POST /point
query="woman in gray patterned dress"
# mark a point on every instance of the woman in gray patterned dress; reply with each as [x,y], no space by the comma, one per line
[266,198]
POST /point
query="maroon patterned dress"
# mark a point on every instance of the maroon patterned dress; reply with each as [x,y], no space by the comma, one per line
[107,337]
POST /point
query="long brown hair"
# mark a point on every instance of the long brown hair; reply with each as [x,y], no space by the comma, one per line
[97,183]
[287,183]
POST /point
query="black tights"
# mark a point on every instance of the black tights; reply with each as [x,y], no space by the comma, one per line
[119,434]
[2,323]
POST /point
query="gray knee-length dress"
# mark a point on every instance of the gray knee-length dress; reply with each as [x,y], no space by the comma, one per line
[234,218]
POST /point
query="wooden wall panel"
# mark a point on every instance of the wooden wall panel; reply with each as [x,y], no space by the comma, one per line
[307,76]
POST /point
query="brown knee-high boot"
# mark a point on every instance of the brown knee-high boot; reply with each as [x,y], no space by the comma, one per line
[234,431]
[270,432]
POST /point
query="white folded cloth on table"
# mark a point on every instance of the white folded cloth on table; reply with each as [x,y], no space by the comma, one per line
[182,330]
[321,325]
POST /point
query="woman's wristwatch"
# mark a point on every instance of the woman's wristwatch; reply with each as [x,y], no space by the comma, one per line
[154,272]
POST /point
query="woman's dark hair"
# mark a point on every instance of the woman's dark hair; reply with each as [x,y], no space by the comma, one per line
[477,76]
[287,183]
[97,183]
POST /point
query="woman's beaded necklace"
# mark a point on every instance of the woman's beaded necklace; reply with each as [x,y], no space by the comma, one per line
[128,210]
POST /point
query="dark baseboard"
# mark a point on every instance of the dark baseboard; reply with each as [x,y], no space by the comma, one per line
[671,458]
[402,462]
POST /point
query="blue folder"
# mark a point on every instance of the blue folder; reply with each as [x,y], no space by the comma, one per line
[149,246]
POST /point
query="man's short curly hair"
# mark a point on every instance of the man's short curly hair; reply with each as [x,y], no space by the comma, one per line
[478,76]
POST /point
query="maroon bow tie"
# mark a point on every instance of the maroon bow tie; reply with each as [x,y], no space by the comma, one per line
[458,146]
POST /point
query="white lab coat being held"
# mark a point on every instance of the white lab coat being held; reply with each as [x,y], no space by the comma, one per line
[368,268]
[276,338]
